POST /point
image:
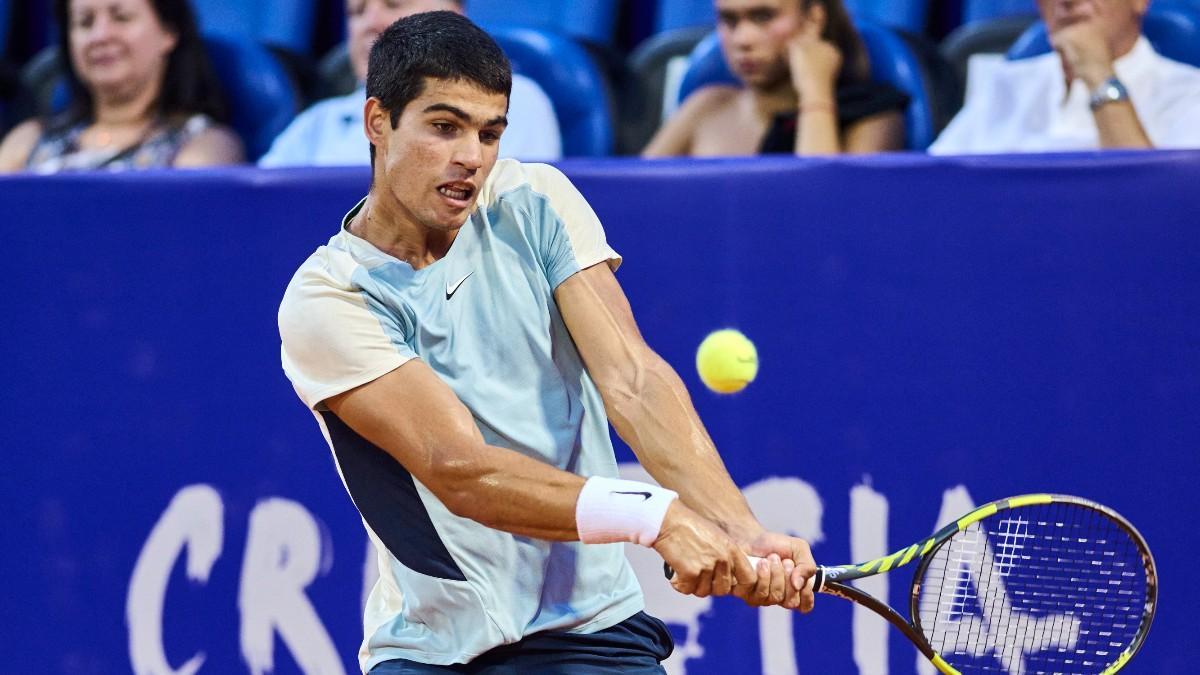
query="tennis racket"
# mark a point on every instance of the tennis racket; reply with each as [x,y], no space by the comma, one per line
[1032,584]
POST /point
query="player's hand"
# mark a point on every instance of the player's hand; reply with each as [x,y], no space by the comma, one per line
[1084,51]
[705,559]
[784,573]
[814,64]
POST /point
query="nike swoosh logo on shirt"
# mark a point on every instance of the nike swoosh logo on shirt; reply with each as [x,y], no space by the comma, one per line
[645,495]
[452,288]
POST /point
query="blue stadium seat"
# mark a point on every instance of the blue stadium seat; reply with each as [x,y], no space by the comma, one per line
[984,10]
[1172,27]
[590,21]
[675,14]
[5,21]
[260,95]
[892,61]
[279,23]
[907,15]
[565,71]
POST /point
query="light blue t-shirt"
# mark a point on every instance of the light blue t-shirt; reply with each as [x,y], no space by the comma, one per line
[485,320]
[330,133]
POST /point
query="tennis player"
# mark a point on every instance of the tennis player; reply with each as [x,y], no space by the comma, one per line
[464,343]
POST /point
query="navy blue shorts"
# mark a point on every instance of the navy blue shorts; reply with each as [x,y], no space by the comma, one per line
[633,647]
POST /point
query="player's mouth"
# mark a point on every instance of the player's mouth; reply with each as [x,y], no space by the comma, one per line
[457,194]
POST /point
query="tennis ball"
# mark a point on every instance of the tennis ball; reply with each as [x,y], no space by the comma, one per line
[727,361]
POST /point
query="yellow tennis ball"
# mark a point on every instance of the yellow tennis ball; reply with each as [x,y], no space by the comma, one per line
[727,361]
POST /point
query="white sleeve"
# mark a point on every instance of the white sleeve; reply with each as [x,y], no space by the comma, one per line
[569,233]
[333,340]
[295,145]
[1180,117]
[960,136]
[533,133]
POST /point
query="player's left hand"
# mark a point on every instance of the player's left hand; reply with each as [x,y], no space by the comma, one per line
[783,575]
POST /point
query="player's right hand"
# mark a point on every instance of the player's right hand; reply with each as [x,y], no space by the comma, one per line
[706,560]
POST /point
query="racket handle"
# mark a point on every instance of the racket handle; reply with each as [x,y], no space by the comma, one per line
[815,582]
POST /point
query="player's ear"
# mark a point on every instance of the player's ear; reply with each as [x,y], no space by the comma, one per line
[376,122]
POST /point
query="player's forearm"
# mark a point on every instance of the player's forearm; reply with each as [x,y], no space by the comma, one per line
[1120,127]
[653,413]
[508,491]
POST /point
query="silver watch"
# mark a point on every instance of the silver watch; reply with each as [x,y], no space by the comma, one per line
[1109,91]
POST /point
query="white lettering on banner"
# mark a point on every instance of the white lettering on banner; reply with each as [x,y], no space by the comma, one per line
[284,553]
[194,519]
[868,540]
[793,507]
[283,556]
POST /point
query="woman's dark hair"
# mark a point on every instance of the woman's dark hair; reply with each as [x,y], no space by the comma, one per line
[839,31]
[189,83]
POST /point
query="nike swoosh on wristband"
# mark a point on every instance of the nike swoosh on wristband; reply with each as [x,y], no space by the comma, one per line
[452,288]
[645,495]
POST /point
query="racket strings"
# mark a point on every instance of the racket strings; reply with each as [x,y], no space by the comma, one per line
[1056,588]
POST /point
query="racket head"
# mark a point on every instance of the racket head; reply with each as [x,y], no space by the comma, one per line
[1040,583]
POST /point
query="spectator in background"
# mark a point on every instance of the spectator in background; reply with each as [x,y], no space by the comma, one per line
[807,88]
[330,133]
[1102,86]
[143,94]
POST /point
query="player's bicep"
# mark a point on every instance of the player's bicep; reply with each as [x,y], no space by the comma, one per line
[601,323]
[416,418]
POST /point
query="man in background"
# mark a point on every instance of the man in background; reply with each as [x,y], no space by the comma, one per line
[330,132]
[1102,86]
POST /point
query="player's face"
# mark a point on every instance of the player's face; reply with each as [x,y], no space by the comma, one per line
[366,19]
[754,36]
[118,45]
[436,160]
[1113,18]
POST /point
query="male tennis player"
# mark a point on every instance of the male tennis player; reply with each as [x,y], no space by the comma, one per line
[463,343]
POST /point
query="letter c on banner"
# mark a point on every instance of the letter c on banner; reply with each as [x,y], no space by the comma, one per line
[194,519]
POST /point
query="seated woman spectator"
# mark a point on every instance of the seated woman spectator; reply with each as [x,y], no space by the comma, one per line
[143,94]
[806,88]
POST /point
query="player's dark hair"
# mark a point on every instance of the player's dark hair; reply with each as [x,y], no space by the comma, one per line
[189,84]
[440,45]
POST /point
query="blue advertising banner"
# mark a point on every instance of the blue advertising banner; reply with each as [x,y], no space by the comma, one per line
[933,334]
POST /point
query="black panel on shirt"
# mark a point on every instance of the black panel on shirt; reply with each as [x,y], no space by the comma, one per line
[386,496]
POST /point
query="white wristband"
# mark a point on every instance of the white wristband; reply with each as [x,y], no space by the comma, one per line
[612,510]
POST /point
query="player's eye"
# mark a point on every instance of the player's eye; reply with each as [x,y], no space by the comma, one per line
[727,19]
[444,127]
[489,137]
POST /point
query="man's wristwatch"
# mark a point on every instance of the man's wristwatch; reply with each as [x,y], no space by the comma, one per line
[1109,91]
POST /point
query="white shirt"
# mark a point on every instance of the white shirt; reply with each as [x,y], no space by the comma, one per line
[484,319]
[1024,105]
[330,132]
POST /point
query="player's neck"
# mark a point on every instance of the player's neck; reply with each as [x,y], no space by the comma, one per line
[394,230]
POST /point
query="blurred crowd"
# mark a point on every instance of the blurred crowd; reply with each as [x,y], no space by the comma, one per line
[126,84]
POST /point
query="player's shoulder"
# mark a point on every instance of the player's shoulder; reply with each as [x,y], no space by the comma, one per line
[328,271]
[511,176]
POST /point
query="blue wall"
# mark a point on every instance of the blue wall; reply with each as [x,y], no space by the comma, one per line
[932,332]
